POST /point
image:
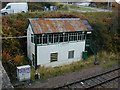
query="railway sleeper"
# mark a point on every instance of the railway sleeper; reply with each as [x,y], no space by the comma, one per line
[90,83]
[77,85]
[103,82]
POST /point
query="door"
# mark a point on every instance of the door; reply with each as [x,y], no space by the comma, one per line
[33,60]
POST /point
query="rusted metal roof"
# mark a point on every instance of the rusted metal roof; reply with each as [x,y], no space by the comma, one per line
[56,25]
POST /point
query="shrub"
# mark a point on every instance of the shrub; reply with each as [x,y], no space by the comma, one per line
[101,36]
[62,7]
[65,7]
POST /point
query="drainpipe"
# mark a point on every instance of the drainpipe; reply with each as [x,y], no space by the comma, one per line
[35,37]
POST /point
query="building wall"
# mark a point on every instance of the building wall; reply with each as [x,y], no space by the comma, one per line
[44,52]
[30,45]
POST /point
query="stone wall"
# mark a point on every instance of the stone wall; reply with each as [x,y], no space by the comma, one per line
[4,79]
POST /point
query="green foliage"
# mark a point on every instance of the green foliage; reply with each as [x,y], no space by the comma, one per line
[101,36]
[65,7]
[62,7]
[34,6]
[15,49]
[10,62]
[108,59]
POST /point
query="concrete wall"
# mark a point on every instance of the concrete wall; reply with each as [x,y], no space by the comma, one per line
[43,53]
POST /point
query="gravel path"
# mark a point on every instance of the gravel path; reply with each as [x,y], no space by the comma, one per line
[61,80]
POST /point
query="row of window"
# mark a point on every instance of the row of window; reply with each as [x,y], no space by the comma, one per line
[54,56]
[55,38]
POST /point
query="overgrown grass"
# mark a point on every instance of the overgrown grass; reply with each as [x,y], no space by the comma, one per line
[105,60]
[108,59]
[102,16]
[61,70]
[81,8]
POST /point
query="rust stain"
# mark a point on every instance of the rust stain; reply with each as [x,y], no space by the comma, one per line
[52,26]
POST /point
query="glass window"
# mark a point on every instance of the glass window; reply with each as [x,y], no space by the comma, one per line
[66,37]
[55,38]
[8,7]
[53,57]
[32,38]
[61,37]
[50,38]
[71,37]
[79,36]
[39,39]
[83,36]
[71,54]
[44,38]
[75,36]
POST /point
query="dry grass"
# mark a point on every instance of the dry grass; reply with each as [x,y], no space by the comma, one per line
[108,59]
[66,68]
[105,60]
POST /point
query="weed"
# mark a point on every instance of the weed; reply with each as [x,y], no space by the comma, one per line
[47,72]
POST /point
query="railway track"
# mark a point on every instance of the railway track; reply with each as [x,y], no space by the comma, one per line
[97,80]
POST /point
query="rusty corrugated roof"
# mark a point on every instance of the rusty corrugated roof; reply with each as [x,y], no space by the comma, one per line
[55,25]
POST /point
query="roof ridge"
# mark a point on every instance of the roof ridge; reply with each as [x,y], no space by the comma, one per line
[54,19]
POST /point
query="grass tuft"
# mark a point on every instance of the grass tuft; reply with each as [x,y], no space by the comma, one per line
[105,60]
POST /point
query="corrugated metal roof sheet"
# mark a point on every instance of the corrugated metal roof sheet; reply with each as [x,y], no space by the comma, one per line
[86,23]
[55,25]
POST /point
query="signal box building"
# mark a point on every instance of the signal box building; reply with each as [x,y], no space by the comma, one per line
[56,41]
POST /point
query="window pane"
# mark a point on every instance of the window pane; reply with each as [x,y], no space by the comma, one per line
[61,37]
[45,39]
[55,38]
[71,54]
[51,38]
[71,37]
[79,36]
[8,7]
[39,39]
[53,57]
[83,36]
[75,36]
[65,37]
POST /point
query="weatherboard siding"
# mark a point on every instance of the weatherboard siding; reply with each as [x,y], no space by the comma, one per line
[30,45]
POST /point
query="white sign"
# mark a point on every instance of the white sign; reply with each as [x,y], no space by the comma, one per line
[23,72]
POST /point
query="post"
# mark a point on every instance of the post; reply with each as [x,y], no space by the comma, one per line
[77,36]
[48,39]
[68,37]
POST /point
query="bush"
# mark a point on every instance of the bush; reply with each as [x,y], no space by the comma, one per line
[62,7]
[65,7]
[101,36]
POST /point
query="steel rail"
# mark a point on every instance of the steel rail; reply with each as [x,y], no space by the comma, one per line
[91,77]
